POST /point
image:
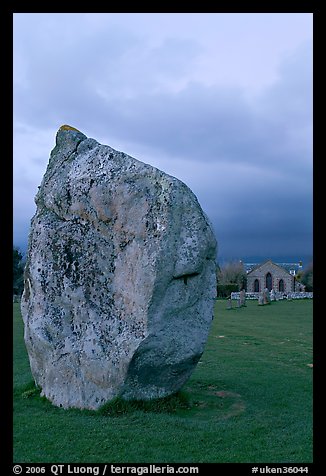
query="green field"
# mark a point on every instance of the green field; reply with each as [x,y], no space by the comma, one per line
[249,400]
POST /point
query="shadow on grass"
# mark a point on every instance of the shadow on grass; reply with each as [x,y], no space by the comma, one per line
[170,404]
[196,402]
[117,406]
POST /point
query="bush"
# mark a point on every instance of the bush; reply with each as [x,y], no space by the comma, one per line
[306,278]
[224,290]
[232,273]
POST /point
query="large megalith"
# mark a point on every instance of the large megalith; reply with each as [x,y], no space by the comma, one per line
[119,278]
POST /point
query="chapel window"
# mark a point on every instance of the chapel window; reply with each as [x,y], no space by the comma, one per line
[281,286]
[269,281]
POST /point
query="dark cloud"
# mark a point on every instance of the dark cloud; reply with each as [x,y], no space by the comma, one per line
[248,157]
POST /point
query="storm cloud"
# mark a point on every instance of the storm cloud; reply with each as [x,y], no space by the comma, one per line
[221,101]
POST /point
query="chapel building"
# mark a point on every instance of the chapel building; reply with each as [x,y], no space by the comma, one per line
[271,276]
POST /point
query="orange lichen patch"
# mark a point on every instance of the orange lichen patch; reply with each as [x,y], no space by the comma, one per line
[65,127]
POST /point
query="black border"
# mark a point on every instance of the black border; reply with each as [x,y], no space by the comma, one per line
[6,16]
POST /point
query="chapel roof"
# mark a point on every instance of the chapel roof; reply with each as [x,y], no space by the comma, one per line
[271,262]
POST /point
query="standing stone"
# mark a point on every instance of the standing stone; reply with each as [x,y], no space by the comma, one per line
[119,277]
[273,295]
[266,295]
[242,297]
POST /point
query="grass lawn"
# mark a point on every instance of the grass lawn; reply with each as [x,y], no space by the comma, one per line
[249,400]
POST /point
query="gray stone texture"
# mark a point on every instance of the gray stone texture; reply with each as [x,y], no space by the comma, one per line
[119,279]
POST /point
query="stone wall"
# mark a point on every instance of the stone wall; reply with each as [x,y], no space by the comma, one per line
[279,296]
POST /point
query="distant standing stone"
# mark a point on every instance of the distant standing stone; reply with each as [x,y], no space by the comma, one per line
[119,277]
[242,297]
[266,296]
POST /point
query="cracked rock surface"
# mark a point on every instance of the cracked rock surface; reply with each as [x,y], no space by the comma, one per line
[119,279]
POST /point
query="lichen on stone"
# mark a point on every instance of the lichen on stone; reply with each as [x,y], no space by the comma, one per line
[66,127]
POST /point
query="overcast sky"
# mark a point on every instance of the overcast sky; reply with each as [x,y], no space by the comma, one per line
[222,101]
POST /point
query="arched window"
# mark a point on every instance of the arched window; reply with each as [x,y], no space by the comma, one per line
[256,286]
[269,281]
[281,286]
